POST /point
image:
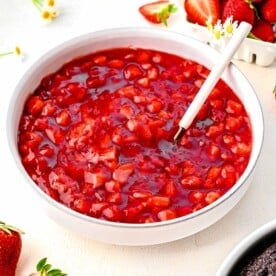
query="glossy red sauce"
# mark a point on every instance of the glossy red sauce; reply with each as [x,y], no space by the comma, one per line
[97,136]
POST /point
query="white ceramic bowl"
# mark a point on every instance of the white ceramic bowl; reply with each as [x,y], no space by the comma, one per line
[252,245]
[163,40]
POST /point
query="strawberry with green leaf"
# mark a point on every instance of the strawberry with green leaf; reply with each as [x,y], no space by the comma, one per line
[158,12]
[10,248]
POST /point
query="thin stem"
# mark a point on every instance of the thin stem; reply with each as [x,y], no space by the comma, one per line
[38,4]
[6,54]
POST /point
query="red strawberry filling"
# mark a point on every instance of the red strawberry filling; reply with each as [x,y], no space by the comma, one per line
[97,136]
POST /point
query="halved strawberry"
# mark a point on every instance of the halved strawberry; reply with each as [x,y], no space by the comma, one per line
[158,12]
[200,11]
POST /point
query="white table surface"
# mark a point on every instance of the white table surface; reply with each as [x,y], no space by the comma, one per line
[200,254]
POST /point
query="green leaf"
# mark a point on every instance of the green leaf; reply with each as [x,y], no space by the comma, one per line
[9,228]
[41,264]
[45,269]
[165,13]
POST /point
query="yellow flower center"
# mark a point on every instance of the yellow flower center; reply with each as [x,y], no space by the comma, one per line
[217,34]
[17,51]
[51,3]
[229,29]
[46,15]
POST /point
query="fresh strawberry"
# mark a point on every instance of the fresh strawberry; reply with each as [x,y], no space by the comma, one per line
[200,11]
[158,12]
[262,30]
[268,10]
[240,10]
[10,248]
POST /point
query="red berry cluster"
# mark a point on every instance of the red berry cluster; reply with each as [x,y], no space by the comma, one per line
[261,14]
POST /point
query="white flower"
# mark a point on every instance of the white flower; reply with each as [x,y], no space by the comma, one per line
[218,30]
[16,51]
[229,27]
[46,8]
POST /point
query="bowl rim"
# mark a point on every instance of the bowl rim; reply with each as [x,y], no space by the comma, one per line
[125,31]
[240,249]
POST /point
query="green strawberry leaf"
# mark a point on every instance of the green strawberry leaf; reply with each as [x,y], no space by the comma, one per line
[45,269]
[164,14]
[41,264]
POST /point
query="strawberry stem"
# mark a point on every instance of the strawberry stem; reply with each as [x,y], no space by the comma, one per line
[164,14]
[9,228]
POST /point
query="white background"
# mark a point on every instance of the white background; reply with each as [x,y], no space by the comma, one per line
[200,254]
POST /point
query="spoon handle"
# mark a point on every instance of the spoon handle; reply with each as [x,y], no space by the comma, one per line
[215,74]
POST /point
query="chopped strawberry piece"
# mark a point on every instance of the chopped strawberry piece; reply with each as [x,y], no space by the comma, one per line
[196,197]
[155,106]
[234,107]
[97,179]
[241,149]
[233,123]
[153,73]
[132,71]
[112,213]
[123,172]
[142,194]
[75,90]
[129,91]
[116,63]
[97,208]
[109,154]
[35,105]
[48,109]
[127,111]
[115,198]
[166,214]
[143,56]
[212,196]
[100,60]
[192,182]
[144,82]
[132,212]
[170,189]
[55,135]
[82,205]
[215,130]
[46,150]
[213,151]
[158,201]
[63,118]
[112,186]
[95,82]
